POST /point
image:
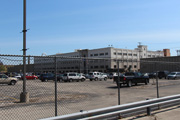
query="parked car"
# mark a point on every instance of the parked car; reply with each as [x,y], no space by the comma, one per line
[152,75]
[163,74]
[46,77]
[30,77]
[131,78]
[97,76]
[173,75]
[18,76]
[60,77]
[111,75]
[4,79]
[70,77]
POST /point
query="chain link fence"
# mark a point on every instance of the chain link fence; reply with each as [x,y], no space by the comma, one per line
[50,94]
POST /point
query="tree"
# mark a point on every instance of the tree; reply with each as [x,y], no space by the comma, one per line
[3,68]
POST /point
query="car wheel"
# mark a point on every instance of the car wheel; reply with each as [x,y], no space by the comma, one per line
[13,82]
[46,80]
[60,80]
[34,78]
[82,80]
[105,79]
[90,79]
[146,82]
[174,78]
[70,80]
[129,84]
[96,79]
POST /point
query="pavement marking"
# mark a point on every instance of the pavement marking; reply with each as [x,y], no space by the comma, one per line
[9,97]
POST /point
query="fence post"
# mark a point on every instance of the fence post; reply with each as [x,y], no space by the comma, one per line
[118,83]
[55,72]
[24,96]
[148,109]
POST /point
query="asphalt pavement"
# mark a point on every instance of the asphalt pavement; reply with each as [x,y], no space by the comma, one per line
[172,113]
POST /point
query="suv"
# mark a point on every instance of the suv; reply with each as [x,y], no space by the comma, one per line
[97,76]
[70,77]
[46,76]
[4,79]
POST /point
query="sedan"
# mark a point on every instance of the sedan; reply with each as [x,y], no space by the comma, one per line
[30,77]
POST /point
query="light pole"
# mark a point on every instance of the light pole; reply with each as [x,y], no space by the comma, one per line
[24,96]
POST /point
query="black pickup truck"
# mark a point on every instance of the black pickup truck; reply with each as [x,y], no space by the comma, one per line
[131,78]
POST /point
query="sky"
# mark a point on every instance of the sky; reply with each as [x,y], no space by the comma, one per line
[61,26]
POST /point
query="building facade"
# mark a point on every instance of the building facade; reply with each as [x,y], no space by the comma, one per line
[170,64]
[103,60]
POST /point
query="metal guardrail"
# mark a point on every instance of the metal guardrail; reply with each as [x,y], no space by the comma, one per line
[116,110]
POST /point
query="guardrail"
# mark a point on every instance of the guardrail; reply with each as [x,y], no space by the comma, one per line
[117,110]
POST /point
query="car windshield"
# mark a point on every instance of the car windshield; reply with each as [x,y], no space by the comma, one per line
[90,73]
[172,74]
[65,75]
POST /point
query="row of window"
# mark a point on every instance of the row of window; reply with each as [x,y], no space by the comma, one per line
[125,66]
[125,54]
[100,54]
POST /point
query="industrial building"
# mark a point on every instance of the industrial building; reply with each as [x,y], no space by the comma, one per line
[102,59]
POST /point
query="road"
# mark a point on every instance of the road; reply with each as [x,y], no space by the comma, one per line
[75,96]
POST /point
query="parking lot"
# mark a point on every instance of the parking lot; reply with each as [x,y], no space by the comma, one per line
[75,96]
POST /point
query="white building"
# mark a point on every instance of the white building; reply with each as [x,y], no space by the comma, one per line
[103,59]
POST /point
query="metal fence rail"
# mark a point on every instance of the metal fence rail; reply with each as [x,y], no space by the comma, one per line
[115,110]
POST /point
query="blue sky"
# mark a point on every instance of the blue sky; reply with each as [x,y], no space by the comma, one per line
[60,26]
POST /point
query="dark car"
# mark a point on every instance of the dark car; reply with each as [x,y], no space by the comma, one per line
[163,74]
[46,76]
[60,77]
[152,75]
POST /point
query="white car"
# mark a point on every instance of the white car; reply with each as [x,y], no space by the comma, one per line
[70,77]
[4,79]
[97,76]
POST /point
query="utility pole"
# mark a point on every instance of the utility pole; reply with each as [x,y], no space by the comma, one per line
[24,96]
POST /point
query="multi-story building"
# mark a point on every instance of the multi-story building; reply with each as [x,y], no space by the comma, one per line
[171,63]
[103,59]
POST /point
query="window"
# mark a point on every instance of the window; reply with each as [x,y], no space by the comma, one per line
[134,54]
[101,54]
[102,66]
[124,53]
[72,74]
[114,66]
[95,66]
[125,66]
[91,55]
[114,53]
[119,53]
[130,54]
[95,54]
[106,53]
[135,66]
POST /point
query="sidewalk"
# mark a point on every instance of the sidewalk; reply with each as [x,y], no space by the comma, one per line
[172,113]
